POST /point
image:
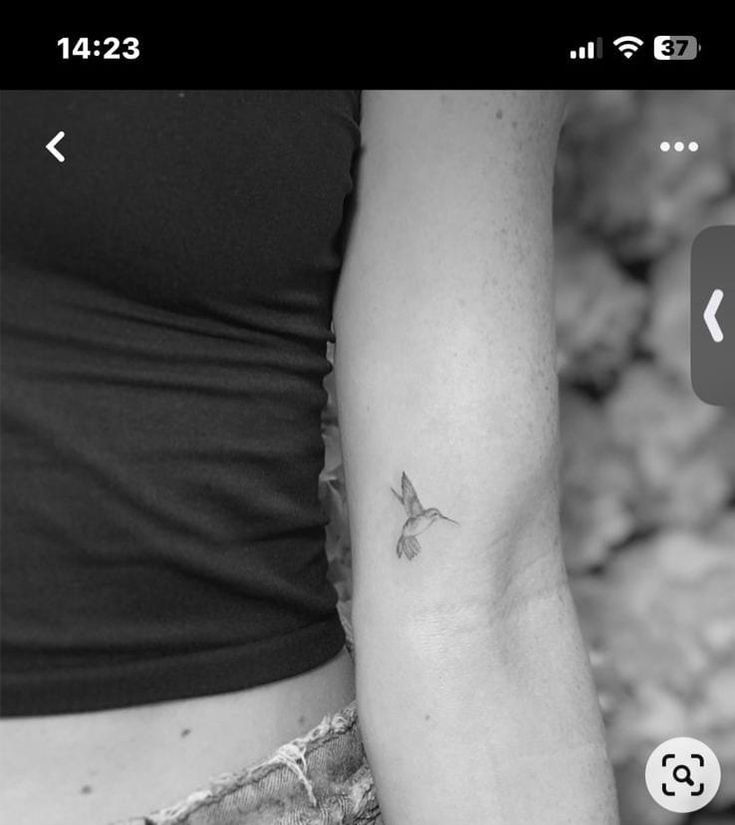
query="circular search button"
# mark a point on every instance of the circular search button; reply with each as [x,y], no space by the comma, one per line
[683,774]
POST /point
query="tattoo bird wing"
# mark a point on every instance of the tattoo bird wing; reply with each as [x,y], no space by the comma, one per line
[410,499]
[408,546]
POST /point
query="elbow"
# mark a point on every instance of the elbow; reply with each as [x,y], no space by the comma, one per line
[514,558]
[524,559]
[523,493]
[521,468]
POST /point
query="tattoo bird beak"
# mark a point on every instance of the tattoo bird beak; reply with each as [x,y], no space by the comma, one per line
[450,519]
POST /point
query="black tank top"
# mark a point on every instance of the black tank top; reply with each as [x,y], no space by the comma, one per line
[166,305]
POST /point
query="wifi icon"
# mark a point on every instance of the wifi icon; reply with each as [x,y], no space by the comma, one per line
[628,45]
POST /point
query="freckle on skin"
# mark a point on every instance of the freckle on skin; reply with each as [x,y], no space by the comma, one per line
[499,114]
[427,717]
[185,732]
[302,720]
[86,789]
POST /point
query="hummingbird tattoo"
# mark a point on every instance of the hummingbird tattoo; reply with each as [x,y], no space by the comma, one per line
[418,519]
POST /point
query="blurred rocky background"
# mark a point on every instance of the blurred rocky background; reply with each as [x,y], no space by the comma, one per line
[648,470]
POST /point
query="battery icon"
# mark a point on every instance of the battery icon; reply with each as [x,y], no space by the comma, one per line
[675,47]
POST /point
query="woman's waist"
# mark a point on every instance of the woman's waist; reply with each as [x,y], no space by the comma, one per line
[117,763]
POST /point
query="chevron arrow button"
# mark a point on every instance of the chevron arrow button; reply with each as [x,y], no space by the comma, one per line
[710,314]
[51,146]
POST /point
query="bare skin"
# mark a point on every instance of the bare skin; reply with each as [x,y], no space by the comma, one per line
[111,765]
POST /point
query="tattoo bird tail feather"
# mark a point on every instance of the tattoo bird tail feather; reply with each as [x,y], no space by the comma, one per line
[408,546]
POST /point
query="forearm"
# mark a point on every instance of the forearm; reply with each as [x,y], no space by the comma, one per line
[484,713]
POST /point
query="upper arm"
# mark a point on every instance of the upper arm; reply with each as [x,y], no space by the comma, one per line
[444,327]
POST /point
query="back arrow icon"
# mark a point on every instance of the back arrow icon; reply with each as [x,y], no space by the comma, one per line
[51,146]
[710,312]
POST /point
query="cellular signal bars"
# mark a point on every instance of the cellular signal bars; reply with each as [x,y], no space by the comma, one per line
[592,50]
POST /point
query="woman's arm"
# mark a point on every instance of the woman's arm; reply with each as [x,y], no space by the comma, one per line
[474,695]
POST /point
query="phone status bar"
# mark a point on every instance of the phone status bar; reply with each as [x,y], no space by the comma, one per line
[135,58]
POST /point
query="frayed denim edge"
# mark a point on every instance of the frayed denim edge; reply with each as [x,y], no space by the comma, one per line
[291,755]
